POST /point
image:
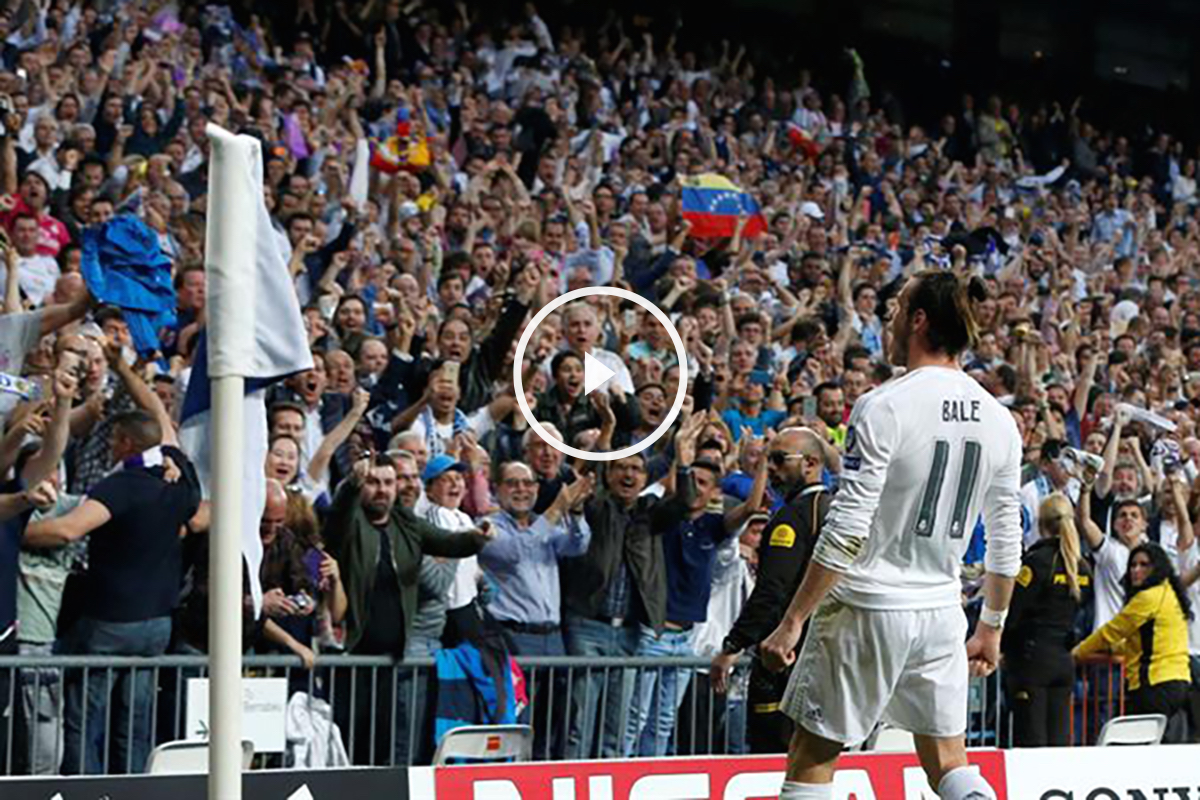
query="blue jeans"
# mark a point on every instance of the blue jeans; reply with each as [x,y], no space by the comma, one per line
[537,644]
[735,720]
[85,745]
[547,691]
[658,694]
[414,734]
[590,687]
[41,695]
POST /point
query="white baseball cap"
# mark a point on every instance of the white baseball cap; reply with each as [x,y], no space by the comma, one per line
[1121,315]
[810,209]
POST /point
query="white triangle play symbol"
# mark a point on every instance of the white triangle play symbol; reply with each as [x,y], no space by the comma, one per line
[594,373]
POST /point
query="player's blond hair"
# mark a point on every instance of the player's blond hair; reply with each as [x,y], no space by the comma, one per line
[948,300]
[1056,518]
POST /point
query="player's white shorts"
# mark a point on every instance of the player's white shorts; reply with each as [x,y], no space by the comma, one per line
[858,667]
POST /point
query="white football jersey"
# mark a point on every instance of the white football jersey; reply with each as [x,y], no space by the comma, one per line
[925,454]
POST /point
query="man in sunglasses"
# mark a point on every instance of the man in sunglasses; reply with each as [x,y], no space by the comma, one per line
[797,457]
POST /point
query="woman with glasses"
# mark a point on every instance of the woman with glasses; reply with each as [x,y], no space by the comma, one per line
[1151,633]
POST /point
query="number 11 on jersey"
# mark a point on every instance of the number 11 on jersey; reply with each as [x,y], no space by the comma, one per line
[968,476]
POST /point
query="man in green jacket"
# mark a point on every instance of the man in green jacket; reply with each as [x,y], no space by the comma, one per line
[379,545]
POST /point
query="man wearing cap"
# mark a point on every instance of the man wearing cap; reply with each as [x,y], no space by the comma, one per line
[797,457]
[445,491]
[379,546]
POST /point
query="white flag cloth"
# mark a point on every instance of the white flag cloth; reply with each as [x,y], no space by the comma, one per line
[360,176]
[255,328]
[1037,181]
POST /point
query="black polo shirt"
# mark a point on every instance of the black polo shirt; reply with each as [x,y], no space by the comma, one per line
[136,558]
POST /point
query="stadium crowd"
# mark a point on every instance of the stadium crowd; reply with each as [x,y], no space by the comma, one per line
[409,507]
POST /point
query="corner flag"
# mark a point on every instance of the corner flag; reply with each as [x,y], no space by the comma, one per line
[255,329]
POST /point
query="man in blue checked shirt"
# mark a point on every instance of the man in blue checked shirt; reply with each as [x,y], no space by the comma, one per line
[522,562]
[523,558]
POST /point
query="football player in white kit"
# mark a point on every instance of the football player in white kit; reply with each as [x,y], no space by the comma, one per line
[925,454]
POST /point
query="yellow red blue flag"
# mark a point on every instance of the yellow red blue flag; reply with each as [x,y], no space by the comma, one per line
[713,204]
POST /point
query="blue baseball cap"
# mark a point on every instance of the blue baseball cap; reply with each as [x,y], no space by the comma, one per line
[439,465]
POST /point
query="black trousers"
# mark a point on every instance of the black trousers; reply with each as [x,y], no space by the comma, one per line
[1194,702]
[1163,698]
[1039,693]
[1169,699]
[1041,715]
[768,730]
[1039,680]
[383,715]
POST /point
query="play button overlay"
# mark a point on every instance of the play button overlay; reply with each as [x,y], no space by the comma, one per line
[596,373]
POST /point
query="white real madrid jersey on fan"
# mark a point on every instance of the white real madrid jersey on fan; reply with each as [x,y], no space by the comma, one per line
[924,455]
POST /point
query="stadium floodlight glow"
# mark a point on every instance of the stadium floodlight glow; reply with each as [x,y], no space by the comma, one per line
[579,294]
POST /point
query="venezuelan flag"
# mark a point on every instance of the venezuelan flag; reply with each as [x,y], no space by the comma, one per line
[712,203]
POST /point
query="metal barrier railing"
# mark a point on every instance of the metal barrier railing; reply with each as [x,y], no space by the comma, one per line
[1099,697]
[102,715]
[141,702]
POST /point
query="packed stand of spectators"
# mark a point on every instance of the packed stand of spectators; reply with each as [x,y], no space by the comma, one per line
[409,505]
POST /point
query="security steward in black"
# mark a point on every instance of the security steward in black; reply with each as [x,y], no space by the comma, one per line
[798,457]
[1040,631]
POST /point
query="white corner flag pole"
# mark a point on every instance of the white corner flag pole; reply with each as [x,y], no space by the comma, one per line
[229,264]
[225,600]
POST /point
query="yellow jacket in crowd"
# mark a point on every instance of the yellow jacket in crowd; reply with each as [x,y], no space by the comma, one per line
[1151,633]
